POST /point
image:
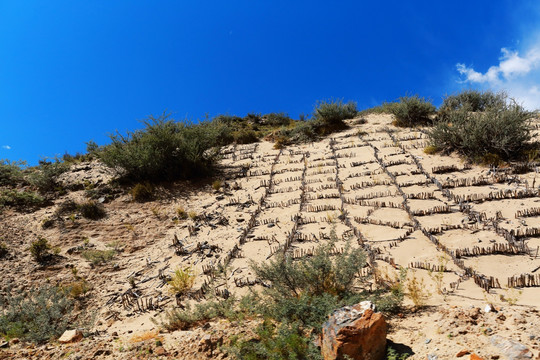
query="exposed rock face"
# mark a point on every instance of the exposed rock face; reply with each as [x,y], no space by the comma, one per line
[70,336]
[357,332]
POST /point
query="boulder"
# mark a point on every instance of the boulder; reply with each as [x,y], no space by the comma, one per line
[510,348]
[356,331]
[70,336]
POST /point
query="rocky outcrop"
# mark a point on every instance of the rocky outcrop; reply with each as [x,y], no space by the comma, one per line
[357,332]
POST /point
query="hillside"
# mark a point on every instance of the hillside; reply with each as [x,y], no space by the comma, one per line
[468,234]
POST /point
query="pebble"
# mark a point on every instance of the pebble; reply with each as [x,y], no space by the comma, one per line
[427,341]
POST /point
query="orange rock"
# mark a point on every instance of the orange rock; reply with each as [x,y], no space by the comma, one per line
[475,357]
[359,335]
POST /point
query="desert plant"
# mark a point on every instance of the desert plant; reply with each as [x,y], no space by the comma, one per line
[39,249]
[182,281]
[333,112]
[20,199]
[11,173]
[193,215]
[276,341]
[277,119]
[165,149]
[44,177]
[182,214]
[217,184]
[39,315]
[416,290]
[473,100]
[92,210]
[245,136]
[504,132]
[142,192]
[411,111]
[98,257]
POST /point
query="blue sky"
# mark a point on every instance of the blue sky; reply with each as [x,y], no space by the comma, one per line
[74,71]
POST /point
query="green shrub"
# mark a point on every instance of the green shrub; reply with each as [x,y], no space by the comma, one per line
[277,119]
[39,315]
[473,100]
[245,136]
[20,199]
[92,210]
[331,113]
[165,150]
[504,132]
[142,192]
[39,249]
[44,176]
[98,257]
[411,111]
[11,173]
[276,342]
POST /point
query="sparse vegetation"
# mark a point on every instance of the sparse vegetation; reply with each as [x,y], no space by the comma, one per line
[472,100]
[217,184]
[39,315]
[92,210]
[182,281]
[331,113]
[499,133]
[142,192]
[411,111]
[11,173]
[44,176]
[193,215]
[416,290]
[39,249]
[165,149]
[181,212]
[20,199]
[98,257]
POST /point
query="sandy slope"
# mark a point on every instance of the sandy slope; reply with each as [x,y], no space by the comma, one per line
[379,185]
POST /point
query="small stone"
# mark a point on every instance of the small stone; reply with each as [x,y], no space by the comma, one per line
[70,336]
[427,341]
[462,353]
[488,308]
[14,341]
[432,357]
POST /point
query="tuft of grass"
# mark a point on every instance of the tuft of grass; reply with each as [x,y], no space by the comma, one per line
[142,192]
[92,210]
[4,250]
[182,281]
[431,150]
[217,184]
[412,111]
[193,215]
[181,212]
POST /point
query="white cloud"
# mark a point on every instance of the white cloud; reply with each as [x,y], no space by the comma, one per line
[518,75]
[7,147]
